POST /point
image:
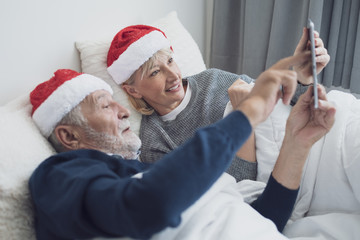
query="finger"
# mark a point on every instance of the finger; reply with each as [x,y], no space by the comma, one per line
[240,87]
[288,62]
[320,51]
[303,41]
[324,58]
[328,112]
[321,63]
[316,34]
[318,42]
[289,83]
[330,116]
[321,92]
[324,114]
[306,98]
[325,105]
[240,81]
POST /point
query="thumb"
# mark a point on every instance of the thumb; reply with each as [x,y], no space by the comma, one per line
[303,41]
[288,83]
[288,62]
[306,98]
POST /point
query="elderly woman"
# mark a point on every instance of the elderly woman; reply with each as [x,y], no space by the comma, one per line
[142,61]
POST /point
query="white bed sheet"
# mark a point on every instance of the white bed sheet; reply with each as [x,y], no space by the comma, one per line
[328,204]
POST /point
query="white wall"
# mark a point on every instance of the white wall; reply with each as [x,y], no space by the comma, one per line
[37,36]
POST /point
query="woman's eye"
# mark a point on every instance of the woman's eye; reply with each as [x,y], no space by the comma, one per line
[106,106]
[171,60]
[154,73]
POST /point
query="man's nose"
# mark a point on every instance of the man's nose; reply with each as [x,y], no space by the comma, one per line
[122,112]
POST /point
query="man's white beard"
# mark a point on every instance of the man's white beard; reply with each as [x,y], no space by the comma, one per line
[126,146]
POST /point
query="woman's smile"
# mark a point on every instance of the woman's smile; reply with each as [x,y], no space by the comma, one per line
[174,88]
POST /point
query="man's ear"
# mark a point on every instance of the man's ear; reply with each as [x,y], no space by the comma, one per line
[68,136]
[131,90]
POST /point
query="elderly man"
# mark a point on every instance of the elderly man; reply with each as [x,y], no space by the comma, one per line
[92,188]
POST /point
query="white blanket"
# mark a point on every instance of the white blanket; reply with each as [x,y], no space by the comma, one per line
[328,204]
[222,213]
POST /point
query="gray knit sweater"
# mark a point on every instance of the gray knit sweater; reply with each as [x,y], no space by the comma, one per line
[207,104]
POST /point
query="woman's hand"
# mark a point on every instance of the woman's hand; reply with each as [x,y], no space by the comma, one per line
[238,91]
[322,57]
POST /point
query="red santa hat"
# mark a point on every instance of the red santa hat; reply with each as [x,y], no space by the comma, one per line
[131,48]
[53,99]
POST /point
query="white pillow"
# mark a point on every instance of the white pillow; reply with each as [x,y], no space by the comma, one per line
[22,149]
[93,56]
[269,136]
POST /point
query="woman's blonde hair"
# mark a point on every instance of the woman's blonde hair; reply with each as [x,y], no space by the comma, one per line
[140,104]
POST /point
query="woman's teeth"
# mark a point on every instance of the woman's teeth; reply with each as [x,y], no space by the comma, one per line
[175,87]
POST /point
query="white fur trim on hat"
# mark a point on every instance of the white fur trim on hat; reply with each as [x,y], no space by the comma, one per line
[64,99]
[136,55]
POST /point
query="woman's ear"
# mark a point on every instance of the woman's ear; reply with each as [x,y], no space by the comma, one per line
[131,90]
[68,136]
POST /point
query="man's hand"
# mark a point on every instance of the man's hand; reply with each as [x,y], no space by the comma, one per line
[322,57]
[305,124]
[304,127]
[267,89]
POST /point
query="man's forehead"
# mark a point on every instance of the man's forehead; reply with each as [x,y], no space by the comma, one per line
[101,94]
[96,97]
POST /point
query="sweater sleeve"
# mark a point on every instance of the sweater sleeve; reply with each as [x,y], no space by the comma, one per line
[180,178]
[101,203]
[241,169]
[276,203]
[300,89]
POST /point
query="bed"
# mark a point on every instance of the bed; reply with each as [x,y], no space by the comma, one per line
[328,203]
[18,130]
[24,148]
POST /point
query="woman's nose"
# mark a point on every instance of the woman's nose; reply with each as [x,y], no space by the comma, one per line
[171,73]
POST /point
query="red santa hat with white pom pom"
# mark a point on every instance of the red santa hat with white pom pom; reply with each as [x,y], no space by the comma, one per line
[53,99]
[131,48]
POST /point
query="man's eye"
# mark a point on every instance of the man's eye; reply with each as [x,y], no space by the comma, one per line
[171,60]
[106,106]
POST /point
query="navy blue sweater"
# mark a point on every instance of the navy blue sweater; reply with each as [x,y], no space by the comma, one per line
[88,193]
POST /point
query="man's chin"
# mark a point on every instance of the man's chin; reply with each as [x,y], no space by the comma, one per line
[130,155]
[126,145]
[130,136]
[133,144]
